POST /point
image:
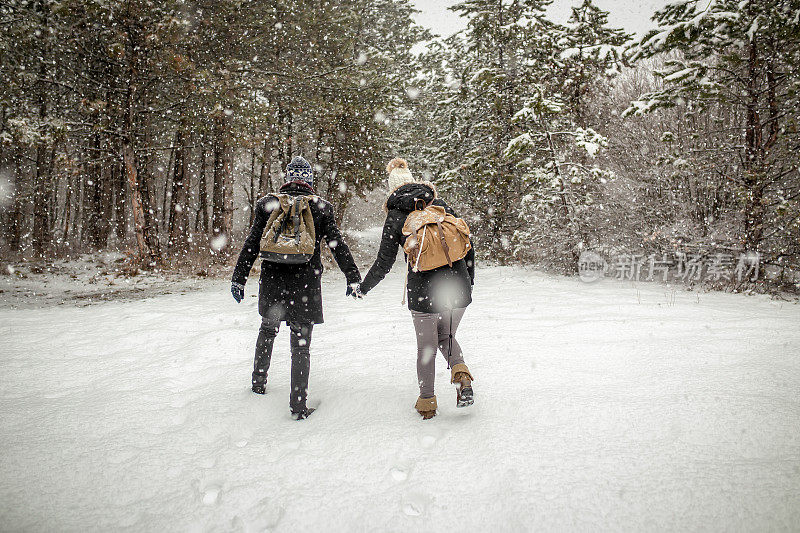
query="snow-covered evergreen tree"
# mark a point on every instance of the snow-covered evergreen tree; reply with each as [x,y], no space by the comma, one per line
[742,55]
[592,51]
[510,48]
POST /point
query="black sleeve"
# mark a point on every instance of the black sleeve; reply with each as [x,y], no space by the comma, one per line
[387,253]
[339,248]
[252,245]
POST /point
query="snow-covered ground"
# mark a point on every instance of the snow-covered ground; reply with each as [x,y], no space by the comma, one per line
[606,406]
[87,280]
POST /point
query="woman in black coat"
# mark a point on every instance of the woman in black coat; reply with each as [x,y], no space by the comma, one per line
[291,293]
[436,298]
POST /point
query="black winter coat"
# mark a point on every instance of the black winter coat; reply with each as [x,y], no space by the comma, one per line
[431,291]
[293,293]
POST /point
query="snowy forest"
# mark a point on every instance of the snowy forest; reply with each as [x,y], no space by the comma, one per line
[152,127]
[600,332]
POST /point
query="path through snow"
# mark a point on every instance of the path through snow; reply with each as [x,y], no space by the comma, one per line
[600,406]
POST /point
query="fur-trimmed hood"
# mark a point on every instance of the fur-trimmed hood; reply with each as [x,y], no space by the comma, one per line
[407,196]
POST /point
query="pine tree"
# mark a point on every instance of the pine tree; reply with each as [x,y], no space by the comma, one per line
[512,48]
[743,55]
[591,53]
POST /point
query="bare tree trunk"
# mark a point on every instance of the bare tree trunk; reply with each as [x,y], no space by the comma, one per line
[41,192]
[218,191]
[42,177]
[67,209]
[97,223]
[136,199]
[222,201]
[55,182]
[166,194]
[77,212]
[119,202]
[265,180]
[227,160]
[106,205]
[17,217]
[41,205]
[147,185]
[252,193]
[289,136]
[141,205]
[202,193]
[146,236]
[341,208]
[178,215]
[753,163]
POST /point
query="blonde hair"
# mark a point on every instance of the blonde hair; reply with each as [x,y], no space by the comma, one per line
[397,162]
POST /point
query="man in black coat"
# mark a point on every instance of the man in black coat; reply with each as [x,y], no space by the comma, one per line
[292,293]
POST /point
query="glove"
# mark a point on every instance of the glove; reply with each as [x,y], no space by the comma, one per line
[237,290]
[354,290]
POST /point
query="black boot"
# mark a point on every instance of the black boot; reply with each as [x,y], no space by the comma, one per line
[464,396]
[462,379]
[259,382]
[303,414]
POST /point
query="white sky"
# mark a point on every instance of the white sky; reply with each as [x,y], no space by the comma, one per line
[631,15]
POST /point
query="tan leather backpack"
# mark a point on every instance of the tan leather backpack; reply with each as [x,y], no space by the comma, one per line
[289,235]
[435,238]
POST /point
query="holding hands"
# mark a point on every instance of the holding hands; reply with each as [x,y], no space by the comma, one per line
[354,290]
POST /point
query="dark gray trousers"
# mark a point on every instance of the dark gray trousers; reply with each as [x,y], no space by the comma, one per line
[300,341]
[435,330]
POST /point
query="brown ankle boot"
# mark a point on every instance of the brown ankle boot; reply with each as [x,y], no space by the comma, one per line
[460,374]
[426,407]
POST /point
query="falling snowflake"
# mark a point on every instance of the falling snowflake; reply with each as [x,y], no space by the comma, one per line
[219,242]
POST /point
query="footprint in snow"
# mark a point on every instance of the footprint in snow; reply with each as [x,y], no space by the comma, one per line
[398,474]
[242,443]
[401,469]
[411,509]
[211,495]
[415,504]
[427,440]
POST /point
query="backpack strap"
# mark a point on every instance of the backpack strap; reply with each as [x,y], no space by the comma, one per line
[296,219]
[286,217]
[416,262]
[444,243]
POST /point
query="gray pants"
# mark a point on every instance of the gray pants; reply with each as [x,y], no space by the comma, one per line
[435,330]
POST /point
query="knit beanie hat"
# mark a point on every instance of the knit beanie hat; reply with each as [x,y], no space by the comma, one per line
[300,170]
[398,173]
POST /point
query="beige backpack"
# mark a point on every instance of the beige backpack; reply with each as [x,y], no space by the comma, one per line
[435,238]
[289,236]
